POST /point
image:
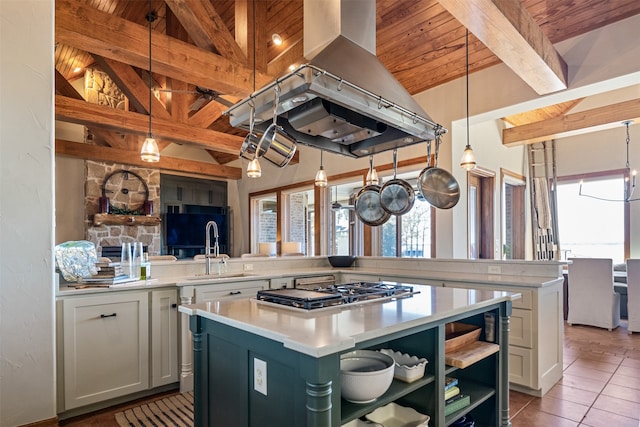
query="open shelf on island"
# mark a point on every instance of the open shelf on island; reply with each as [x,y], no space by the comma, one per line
[351,411]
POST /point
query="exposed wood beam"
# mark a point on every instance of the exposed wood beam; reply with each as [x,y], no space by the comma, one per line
[294,55]
[509,31]
[133,87]
[206,28]
[179,99]
[93,152]
[80,112]
[107,35]
[206,115]
[596,119]
[64,88]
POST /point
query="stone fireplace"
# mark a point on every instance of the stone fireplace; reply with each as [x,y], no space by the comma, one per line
[115,235]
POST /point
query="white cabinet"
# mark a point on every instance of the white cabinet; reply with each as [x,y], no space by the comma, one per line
[204,293]
[164,337]
[535,336]
[105,347]
[114,344]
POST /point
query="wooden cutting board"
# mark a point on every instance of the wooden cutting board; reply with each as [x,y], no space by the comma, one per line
[470,354]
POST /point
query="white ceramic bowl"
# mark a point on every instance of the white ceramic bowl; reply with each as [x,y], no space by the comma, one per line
[407,368]
[393,415]
[365,375]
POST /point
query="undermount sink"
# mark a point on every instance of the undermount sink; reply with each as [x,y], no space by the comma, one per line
[215,276]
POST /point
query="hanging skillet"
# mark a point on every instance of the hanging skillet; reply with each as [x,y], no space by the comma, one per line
[397,195]
[368,207]
[436,185]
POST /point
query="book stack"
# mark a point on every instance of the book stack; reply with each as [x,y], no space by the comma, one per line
[454,399]
[109,270]
[108,274]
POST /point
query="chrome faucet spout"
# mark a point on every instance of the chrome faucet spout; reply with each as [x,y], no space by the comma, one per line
[207,245]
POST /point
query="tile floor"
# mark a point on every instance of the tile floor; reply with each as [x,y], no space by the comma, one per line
[600,386]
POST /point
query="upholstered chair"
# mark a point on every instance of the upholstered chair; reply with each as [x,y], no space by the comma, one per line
[592,300]
[633,294]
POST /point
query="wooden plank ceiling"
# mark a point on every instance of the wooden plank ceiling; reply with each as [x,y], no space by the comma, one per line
[225,47]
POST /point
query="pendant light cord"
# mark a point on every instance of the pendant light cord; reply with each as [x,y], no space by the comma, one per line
[467,79]
[150,18]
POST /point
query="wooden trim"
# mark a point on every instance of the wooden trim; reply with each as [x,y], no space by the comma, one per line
[344,175]
[84,151]
[133,220]
[596,119]
[51,422]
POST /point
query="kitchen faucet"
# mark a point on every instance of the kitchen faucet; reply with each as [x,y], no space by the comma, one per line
[207,247]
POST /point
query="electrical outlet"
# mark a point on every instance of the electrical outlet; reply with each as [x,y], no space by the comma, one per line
[260,376]
[495,269]
[248,267]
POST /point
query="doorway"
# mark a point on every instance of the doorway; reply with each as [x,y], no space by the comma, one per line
[480,214]
[513,215]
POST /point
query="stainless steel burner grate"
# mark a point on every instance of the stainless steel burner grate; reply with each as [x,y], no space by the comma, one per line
[335,294]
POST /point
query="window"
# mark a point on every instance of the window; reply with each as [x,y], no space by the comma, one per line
[298,221]
[264,221]
[409,235]
[589,227]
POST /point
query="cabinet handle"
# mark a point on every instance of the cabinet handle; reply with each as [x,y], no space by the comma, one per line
[235,292]
[104,316]
[174,305]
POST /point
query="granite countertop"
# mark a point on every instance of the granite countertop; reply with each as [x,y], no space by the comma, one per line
[329,330]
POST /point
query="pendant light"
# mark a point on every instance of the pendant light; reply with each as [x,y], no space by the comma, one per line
[468,161]
[150,152]
[321,175]
[372,174]
[629,181]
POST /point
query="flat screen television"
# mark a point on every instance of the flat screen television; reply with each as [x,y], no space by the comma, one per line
[187,230]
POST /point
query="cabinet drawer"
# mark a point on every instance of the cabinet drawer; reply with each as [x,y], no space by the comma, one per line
[526,301]
[520,366]
[229,290]
[520,333]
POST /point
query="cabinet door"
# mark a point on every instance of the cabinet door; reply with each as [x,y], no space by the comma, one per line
[106,347]
[206,293]
[164,337]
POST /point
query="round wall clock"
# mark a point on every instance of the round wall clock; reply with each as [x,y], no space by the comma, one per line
[127,192]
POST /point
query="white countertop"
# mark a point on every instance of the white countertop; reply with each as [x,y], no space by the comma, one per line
[326,331]
[463,272]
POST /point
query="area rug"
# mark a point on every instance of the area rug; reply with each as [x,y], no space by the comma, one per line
[171,411]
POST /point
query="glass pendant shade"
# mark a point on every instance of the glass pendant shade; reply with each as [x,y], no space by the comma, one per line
[321,178]
[468,161]
[150,152]
[372,177]
[253,169]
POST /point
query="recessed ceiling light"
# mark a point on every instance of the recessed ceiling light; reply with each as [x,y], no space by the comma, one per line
[292,67]
[77,69]
[277,40]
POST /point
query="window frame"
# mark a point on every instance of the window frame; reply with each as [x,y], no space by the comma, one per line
[590,176]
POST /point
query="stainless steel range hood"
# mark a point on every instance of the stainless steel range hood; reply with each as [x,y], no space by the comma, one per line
[343,100]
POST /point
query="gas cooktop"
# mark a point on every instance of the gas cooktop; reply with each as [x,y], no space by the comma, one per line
[346,293]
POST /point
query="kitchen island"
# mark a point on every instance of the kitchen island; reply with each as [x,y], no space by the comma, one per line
[257,364]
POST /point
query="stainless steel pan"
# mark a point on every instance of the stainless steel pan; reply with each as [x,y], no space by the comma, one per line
[368,206]
[436,185]
[397,195]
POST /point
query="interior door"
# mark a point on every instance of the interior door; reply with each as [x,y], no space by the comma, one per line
[480,215]
[513,215]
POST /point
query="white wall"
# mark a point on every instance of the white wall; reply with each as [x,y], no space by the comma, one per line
[27,358]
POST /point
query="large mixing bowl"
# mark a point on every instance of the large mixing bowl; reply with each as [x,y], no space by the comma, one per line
[365,375]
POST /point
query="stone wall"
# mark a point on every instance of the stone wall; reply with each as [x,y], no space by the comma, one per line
[115,235]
